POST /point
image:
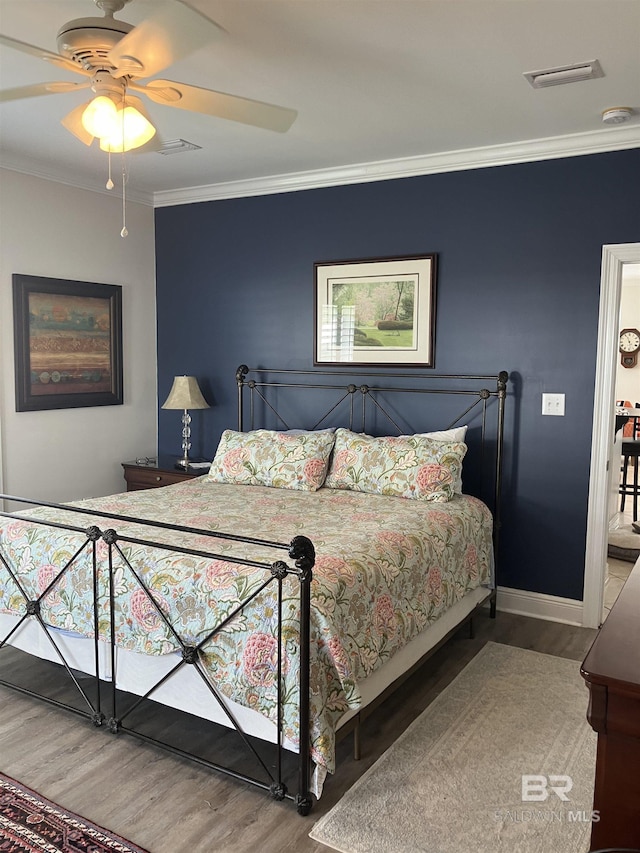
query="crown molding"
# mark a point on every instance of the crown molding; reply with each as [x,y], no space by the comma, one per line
[573,145]
[72,181]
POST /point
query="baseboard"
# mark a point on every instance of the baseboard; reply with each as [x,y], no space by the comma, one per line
[540,606]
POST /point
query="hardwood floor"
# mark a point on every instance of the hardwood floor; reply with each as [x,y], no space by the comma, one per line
[169,805]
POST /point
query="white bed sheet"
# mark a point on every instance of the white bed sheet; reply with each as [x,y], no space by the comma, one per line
[185,691]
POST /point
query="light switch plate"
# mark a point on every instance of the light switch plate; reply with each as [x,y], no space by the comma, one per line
[553,404]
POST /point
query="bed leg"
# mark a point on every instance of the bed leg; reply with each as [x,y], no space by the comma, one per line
[356,740]
[303,805]
[492,607]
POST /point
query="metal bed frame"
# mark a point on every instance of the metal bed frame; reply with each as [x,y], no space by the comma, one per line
[106,705]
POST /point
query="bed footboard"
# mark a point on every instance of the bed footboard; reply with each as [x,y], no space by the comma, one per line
[98,560]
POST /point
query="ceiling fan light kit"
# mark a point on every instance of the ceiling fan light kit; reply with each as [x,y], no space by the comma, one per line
[99,116]
[113,117]
[130,129]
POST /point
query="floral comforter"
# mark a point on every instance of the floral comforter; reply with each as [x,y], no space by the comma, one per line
[386,568]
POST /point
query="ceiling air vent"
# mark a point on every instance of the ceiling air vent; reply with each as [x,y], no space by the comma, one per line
[564,74]
[177,146]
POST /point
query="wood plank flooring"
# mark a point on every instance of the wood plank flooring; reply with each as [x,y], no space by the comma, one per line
[169,805]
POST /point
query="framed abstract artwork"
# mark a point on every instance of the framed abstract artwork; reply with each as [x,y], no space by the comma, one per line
[377,311]
[67,343]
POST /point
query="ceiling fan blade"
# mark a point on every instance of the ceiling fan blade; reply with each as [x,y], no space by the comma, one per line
[73,122]
[209,102]
[41,53]
[40,89]
[168,35]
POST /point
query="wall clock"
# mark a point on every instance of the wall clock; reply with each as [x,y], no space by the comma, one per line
[629,347]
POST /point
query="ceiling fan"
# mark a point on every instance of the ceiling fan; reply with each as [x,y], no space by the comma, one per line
[114,57]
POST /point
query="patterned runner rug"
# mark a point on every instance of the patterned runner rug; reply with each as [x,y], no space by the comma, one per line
[475,772]
[30,823]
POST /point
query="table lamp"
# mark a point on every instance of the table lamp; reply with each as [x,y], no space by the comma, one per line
[185,394]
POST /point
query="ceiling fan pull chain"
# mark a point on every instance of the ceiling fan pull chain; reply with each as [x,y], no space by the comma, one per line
[109,182]
[124,231]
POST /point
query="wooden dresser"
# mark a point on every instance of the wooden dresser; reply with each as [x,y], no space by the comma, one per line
[159,473]
[612,672]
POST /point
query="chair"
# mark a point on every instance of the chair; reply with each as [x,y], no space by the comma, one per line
[630,456]
[628,429]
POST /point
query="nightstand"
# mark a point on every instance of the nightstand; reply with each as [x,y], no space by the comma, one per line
[161,473]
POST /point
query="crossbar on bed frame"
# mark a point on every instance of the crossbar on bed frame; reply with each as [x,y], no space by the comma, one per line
[300,549]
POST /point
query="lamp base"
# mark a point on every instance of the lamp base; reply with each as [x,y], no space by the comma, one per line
[183,463]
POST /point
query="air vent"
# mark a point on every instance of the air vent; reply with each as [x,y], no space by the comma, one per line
[177,146]
[564,74]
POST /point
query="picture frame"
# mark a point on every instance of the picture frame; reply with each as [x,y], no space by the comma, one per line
[67,343]
[375,311]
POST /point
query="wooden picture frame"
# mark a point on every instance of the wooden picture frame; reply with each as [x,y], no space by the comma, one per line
[67,343]
[375,311]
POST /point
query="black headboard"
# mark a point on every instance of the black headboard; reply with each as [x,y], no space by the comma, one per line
[389,403]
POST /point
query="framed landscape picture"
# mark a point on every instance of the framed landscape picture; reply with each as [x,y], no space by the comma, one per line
[67,343]
[378,311]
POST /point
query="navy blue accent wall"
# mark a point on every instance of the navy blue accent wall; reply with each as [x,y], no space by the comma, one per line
[519,255]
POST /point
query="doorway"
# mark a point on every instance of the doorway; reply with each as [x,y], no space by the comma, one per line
[613,259]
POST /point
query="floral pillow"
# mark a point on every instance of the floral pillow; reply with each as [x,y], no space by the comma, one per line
[406,466]
[455,434]
[264,457]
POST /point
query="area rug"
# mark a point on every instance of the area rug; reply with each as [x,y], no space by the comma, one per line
[30,823]
[502,760]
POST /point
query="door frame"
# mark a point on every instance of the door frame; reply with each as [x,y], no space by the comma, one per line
[613,258]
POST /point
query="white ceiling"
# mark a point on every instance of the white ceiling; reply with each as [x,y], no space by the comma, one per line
[382,88]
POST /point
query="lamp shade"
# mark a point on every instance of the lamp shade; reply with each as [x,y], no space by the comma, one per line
[185,394]
[100,116]
[131,129]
